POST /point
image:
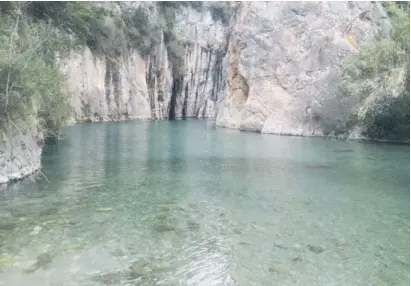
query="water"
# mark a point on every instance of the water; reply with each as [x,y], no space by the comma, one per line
[186,203]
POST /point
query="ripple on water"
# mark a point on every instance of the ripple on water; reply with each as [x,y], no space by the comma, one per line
[178,203]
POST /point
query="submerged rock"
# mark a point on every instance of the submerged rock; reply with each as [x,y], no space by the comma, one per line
[244,243]
[315,249]
[237,231]
[193,226]
[118,252]
[297,259]
[35,230]
[139,269]
[162,217]
[72,247]
[277,269]
[8,225]
[111,278]
[280,246]
[43,260]
[49,211]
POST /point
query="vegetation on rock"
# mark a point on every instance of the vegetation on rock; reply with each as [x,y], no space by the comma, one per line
[31,85]
[35,35]
[378,77]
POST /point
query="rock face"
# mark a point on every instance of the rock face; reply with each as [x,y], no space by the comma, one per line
[133,86]
[102,90]
[20,156]
[202,78]
[273,69]
[284,59]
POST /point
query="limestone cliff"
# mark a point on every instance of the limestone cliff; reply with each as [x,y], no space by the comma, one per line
[144,87]
[284,60]
[202,78]
[273,67]
[20,155]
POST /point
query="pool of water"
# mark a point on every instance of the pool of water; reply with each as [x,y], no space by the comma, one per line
[186,203]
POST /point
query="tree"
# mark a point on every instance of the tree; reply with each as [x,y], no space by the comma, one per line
[31,85]
[378,76]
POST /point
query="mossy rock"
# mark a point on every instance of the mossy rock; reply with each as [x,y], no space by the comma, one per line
[73,247]
[6,260]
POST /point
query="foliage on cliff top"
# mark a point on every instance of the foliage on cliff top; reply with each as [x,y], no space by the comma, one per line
[378,77]
[111,28]
[31,86]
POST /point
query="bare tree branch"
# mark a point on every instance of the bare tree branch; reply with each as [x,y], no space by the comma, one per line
[10,52]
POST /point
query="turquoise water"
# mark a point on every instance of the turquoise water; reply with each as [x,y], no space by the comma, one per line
[186,203]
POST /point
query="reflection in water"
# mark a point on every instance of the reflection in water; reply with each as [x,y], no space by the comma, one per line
[184,203]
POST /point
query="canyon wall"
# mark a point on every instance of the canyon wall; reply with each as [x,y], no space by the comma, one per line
[137,87]
[284,60]
[273,67]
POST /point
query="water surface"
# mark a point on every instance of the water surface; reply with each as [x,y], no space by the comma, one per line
[186,203]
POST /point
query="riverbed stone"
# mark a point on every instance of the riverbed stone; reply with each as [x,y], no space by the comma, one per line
[35,230]
[118,252]
[49,211]
[315,249]
[73,247]
[7,225]
[111,278]
[193,226]
[42,261]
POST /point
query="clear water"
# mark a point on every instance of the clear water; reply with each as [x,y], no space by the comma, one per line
[186,203]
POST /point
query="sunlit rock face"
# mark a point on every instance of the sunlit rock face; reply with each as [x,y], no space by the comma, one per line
[284,59]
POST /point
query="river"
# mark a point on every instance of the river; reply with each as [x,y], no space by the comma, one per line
[186,203]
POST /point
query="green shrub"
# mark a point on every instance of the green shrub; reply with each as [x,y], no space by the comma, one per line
[31,85]
[378,77]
